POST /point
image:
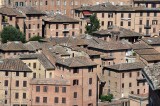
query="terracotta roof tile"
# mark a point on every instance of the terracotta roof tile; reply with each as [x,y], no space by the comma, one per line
[13,65]
[41,57]
[152,74]
[152,40]
[76,62]
[50,81]
[126,66]
[61,19]
[13,46]
[146,51]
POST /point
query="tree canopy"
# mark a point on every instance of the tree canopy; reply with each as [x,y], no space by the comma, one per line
[35,38]
[10,33]
[108,97]
[94,25]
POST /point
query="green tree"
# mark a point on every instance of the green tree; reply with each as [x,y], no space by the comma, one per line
[94,25]
[10,33]
[36,38]
[108,97]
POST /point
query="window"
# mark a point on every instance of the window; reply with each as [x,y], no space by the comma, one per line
[63,89]
[122,85]
[63,100]
[138,90]
[138,74]
[57,34]
[58,2]
[44,99]
[46,3]
[37,88]
[121,23]
[129,15]
[130,84]
[24,95]
[72,33]
[56,26]
[37,99]
[90,80]
[75,70]
[29,18]
[17,83]
[140,22]
[102,15]
[6,92]
[140,30]
[90,92]
[25,74]
[10,18]
[155,14]
[148,14]
[34,65]
[50,75]
[141,14]
[90,69]
[122,15]
[102,23]
[129,23]
[130,74]
[75,82]
[17,73]
[122,75]
[29,35]
[56,89]
[5,102]
[143,83]
[34,75]
[6,73]
[110,15]
[90,104]
[132,92]
[16,95]
[37,26]
[65,2]
[29,26]
[45,88]
[73,26]
[24,83]
[109,72]
[154,30]
[6,83]
[137,83]
[154,22]
[75,94]
[56,100]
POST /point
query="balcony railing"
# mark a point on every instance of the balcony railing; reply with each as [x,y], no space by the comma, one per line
[66,30]
[147,26]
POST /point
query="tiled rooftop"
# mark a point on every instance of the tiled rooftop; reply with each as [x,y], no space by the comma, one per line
[152,40]
[76,62]
[61,19]
[116,8]
[126,66]
[13,65]
[152,74]
[13,46]
[50,81]
[41,57]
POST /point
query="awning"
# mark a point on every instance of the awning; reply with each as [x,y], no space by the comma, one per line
[87,13]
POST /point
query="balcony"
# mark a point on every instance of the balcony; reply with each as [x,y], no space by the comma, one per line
[65,30]
[126,19]
[147,26]
[147,35]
